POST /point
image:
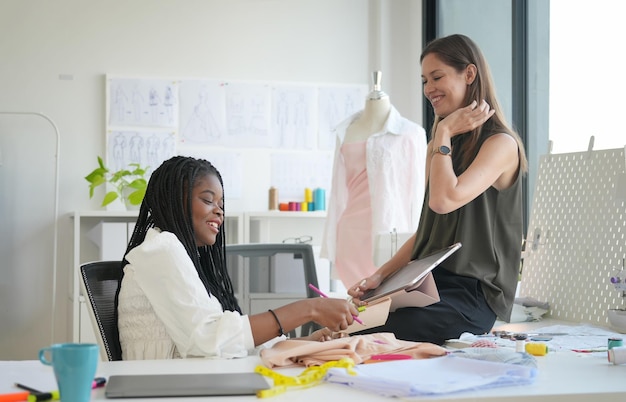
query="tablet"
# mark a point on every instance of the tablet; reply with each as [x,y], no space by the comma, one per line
[408,277]
[179,385]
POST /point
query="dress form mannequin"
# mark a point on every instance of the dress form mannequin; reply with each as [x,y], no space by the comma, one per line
[374,115]
[379,161]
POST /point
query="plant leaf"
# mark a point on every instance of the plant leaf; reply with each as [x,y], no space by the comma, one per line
[101,163]
[117,176]
[109,198]
[136,197]
[97,175]
[138,184]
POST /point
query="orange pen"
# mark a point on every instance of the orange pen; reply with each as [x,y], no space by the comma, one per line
[14,397]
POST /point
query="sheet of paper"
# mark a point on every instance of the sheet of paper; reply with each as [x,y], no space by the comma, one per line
[435,376]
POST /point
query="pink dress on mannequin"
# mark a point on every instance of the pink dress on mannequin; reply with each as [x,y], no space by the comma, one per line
[354,243]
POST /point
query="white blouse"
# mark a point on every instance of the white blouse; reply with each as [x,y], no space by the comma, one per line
[165,312]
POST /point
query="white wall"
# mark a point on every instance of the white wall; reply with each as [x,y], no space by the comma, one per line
[55,55]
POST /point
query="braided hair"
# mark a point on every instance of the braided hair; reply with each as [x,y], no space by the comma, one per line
[167,206]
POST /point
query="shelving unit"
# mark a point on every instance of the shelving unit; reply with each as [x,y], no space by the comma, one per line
[283,226]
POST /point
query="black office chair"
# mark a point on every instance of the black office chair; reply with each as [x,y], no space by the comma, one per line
[99,281]
[261,263]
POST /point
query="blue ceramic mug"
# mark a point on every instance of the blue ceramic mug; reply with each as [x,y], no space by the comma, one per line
[74,366]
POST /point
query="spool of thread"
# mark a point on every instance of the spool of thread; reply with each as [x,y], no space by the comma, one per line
[613,343]
[304,206]
[617,355]
[308,195]
[273,199]
[520,341]
[537,349]
[283,206]
[319,199]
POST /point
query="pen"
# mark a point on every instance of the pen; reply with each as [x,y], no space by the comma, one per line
[29,389]
[43,396]
[319,292]
[35,395]
[14,397]
[98,382]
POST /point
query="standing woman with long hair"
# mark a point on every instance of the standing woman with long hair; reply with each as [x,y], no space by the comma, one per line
[176,298]
[474,167]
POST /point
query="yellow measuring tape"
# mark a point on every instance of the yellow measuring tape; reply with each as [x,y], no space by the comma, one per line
[309,377]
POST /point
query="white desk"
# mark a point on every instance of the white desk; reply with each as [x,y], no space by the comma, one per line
[562,376]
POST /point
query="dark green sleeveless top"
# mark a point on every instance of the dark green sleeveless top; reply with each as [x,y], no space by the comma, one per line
[490,230]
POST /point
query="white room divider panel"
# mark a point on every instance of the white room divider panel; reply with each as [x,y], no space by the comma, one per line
[577,235]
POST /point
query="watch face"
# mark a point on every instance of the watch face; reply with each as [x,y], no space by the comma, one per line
[444,150]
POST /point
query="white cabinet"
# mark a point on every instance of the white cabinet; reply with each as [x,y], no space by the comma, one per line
[103,235]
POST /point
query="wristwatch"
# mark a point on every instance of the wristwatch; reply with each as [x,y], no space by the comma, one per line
[443,150]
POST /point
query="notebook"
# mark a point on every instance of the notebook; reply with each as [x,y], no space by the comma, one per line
[409,277]
[179,385]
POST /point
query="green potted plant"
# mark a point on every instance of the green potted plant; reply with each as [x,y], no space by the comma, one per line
[129,184]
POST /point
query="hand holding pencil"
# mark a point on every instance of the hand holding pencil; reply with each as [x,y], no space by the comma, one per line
[322,294]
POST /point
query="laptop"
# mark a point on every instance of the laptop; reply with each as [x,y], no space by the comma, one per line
[179,385]
[409,277]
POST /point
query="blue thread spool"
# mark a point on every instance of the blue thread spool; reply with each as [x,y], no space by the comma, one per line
[319,199]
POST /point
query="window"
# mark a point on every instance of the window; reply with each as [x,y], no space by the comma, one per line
[512,35]
[586,74]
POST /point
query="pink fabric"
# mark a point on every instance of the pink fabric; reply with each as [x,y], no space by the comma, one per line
[296,352]
[354,228]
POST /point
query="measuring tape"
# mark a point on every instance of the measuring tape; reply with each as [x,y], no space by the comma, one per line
[309,377]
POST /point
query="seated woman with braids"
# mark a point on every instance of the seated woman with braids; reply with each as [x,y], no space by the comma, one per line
[176,299]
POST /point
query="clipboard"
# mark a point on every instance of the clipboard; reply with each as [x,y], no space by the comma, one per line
[413,284]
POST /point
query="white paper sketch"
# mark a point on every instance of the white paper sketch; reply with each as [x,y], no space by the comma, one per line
[202,112]
[150,120]
[148,148]
[337,103]
[143,102]
[247,115]
[294,117]
[228,163]
[293,172]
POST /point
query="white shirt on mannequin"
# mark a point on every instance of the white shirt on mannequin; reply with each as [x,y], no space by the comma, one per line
[395,158]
